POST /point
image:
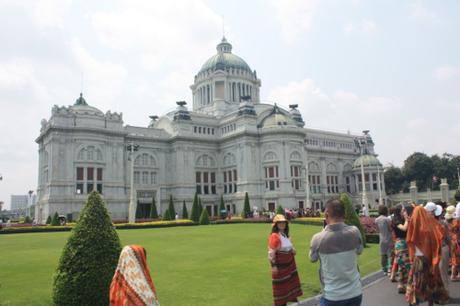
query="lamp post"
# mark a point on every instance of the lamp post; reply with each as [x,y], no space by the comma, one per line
[380,185]
[132,203]
[361,142]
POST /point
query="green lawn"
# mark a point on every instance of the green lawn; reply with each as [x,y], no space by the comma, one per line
[198,265]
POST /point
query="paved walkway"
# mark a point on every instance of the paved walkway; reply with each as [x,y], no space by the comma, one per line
[378,290]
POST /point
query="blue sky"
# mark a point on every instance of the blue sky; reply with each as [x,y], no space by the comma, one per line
[392,67]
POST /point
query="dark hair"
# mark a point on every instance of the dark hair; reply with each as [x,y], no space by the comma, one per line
[383,210]
[397,218]
[275,229]
[335,208]
[409,208]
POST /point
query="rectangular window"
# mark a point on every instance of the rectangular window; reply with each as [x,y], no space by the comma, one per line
[79,173]
[206,189]
[198,177]
[145,177]
[198,189]
[137,177]
[153,178]
[89,187]
[213,189]
[225,177]
[295,177]
[271,178]
[90,173]
[205,177]
[213,177]
[99,174]
[79,189]
[99,188]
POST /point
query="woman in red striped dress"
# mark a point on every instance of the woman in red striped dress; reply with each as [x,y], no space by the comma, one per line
[281,252]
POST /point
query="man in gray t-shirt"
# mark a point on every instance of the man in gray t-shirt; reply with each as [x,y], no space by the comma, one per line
[384,227]
[337,247]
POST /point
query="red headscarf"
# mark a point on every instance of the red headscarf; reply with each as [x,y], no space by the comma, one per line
[426,234]
[132,284]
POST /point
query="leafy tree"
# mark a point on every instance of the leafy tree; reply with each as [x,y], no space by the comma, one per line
[153,210]
[172,211]
[184,211]
[221,206]
[457,195]
[393,180]
[351,217]
[48,220]
[55,220]
[280,210]
[89,258]
[204,217]
[246,207]
[195,214]
[419,167]
[27,220]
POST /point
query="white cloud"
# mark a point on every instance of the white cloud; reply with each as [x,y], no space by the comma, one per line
[365,26]
[419,12]
[295,17]
[46,13]
[445,72]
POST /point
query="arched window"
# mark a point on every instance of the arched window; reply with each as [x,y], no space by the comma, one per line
[205,174]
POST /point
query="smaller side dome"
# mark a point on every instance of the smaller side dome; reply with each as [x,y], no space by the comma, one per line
[277,118]
[80,107]
[368,161]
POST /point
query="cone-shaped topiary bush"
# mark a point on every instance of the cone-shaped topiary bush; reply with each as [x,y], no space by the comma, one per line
[167,215]
[153,210]
[184,211]
[246,208]
[55,220]
[27,220]
[204,218]
[48,220]
[172,211]
[195,214]
[280,210]
[200,206]
[351,218]
[89,258]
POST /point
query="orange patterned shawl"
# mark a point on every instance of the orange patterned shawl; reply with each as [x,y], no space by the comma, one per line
[425,233]
[132,284]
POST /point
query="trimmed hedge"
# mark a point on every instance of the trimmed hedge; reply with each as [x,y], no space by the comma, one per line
[68,227]
[372,238]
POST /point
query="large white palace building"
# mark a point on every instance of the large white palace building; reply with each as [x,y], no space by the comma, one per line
[229,143]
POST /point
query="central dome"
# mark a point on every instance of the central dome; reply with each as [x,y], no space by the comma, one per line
[224,59]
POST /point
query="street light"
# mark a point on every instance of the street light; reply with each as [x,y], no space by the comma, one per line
[132,203]
[360,142]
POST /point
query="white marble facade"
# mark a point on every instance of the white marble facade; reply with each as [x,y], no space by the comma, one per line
[229,143]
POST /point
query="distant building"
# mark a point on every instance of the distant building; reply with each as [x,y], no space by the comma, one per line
[22,201]
[228,144]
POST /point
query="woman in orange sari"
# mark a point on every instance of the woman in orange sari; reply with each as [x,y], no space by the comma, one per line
[132,284]
[424,240]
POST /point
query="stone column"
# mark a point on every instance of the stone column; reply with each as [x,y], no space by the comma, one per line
[413,191]
[444,190]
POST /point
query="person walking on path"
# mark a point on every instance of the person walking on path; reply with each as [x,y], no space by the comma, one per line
[400,224]
[445,250]
[132,284]
[385,241]
[281,252]
[455,235]
[337,247]
[424,240]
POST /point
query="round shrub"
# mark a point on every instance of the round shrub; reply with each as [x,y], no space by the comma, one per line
[89,258]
